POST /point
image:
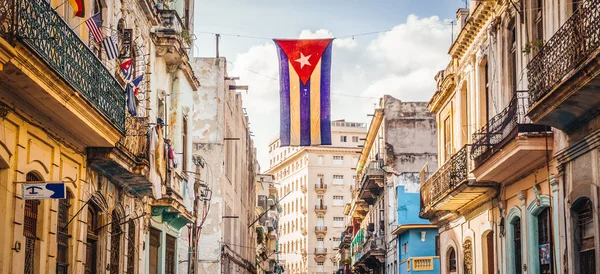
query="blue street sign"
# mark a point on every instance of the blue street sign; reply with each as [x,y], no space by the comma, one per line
[36,191]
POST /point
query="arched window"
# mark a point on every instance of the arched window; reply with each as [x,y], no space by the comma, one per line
[30,228]
[516,227]
[92,239]
[451,260]
[115,242]
[131,250]
[544,243]
[62,258]
[584,235]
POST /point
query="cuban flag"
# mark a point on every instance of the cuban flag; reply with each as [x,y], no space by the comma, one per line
[305,77]
[136,84]
[127,70]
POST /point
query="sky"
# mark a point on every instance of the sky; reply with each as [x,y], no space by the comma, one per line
[392,47]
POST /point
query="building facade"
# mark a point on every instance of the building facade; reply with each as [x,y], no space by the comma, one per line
[400,141]
[223,145]
[314,185]
[267,218]
[505,198]
[66,119]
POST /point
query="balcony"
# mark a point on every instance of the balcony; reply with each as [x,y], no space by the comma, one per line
[373,253]
[320,209]
[371,182]
[320,231]
[126,164]
[46,67]
[150,10]
[173,40]
[564,75]
[320,251]
[422,263]
[509,144]
[320,188]
[451,189]
[303,189]
[303,231]
[303,210]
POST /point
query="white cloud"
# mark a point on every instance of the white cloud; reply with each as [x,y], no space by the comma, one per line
[401,62]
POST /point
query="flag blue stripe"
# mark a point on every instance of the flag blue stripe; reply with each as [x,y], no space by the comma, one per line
[284,97]
[326,96]
[305,113]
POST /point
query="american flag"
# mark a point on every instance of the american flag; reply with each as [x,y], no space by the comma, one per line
[111,46]
[94,24]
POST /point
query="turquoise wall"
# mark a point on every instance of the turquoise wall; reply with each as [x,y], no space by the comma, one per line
[409,207]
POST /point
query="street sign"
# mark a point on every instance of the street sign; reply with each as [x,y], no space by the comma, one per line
[51,190]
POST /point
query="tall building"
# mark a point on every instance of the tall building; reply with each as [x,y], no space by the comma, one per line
[314,184]
[384,215]
[267,214]
[223,146]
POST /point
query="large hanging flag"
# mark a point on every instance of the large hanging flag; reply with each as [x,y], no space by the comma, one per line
[78,7]
[305,76]
[94,24]
[111,46]
[127,70]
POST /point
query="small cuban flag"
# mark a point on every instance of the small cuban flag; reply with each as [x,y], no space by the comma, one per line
[127,70]
[305,77]
[136,84]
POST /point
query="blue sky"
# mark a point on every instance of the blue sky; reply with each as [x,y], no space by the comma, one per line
[401,62]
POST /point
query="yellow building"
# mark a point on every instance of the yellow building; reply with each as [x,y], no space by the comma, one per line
[64,118]
[494,197]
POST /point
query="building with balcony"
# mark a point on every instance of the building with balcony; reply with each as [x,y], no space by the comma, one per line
[267,217]
[314,186]
[223,145]
[495,197]
[400,141]
[65,119]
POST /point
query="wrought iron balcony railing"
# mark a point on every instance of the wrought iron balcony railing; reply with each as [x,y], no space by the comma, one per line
[503,127]
[39,27]
[449,176]
[572,44]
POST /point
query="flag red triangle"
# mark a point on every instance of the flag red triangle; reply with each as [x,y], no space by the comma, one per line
[303,54]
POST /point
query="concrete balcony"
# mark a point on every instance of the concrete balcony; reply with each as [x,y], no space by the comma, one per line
[423,263]
[509,145]
[320,231]
[46,67]
[320,254]
[451,189]
[150,10]
[320,209]
[373,253]
[371,184]
[564,75]
[127,163]
[320,188]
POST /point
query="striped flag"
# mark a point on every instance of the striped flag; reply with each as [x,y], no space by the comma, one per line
[78,7]
[94,24]
[136,83]
[127,70]
[111,47]
[305,76]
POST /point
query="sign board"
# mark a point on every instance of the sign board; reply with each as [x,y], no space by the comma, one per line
[50,190]
[126,41]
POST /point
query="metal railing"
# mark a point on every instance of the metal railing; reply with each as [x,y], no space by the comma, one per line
[320,207]
[572,44]
[502,125]
[449,176]
[320,186]
[320,250]
[38,26]
[320,228]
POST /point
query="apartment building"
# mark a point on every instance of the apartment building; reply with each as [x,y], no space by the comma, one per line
[516,116]
[314,184]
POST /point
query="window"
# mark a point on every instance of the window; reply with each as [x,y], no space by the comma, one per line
[171,255]
[447,138]
[584,235]
[517,245]
[452,260]
[343,139]
[30,228]
[92,239]
[338,221]
[338,200]
[513,55]
[131,247]
[338,179]
[154,249]
[320,221]
[355,139]
[437,245]
[115,242]
[539,22]
[320,159]
[320,267]
[404,248]
[338,160]
[320,243]
[185,144]
[336,242]
[62,258]
[543,234]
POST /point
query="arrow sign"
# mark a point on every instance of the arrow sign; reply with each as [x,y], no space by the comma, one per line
[53,190]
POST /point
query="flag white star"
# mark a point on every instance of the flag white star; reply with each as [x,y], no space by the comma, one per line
[303,60]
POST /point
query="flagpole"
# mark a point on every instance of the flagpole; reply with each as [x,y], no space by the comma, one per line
[61,4]
[83,21]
